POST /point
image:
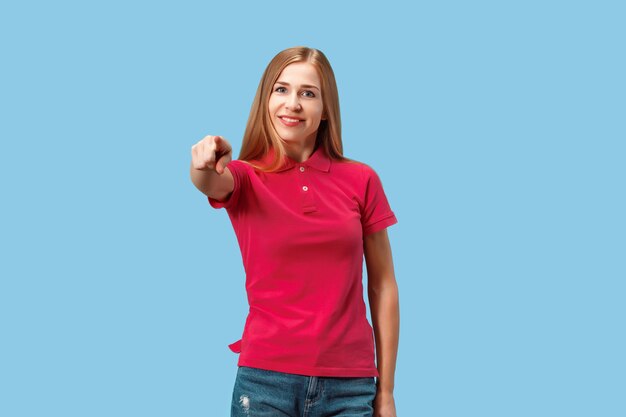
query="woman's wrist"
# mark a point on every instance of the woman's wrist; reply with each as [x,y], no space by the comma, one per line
[383,388]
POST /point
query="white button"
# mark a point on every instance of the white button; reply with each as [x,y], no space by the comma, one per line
[301,169]
[305,188]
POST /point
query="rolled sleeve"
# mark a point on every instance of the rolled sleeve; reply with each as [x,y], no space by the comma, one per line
[238,170]
[376,212]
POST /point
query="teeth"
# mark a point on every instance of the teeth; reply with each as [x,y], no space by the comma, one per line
[290,120]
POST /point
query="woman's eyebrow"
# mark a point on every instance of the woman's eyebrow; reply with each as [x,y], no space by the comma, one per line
[303,85]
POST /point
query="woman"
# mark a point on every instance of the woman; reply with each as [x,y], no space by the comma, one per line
[304,217]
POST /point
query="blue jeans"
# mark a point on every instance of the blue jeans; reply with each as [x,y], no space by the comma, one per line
[264,393]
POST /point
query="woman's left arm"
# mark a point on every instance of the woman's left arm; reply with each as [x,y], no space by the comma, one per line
[382,291]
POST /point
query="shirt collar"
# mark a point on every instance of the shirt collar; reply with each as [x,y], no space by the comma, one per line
[318,160]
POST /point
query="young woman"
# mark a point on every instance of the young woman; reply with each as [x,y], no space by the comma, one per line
[305,216]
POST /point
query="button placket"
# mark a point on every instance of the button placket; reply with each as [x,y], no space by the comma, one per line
[307,199]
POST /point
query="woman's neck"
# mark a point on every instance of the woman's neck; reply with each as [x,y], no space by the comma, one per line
[300,153]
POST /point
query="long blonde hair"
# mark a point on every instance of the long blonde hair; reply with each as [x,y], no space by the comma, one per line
[260,136]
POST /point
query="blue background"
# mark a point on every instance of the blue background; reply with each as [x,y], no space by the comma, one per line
[497,129]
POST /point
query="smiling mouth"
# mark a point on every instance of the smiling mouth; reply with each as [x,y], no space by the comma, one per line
[288,121]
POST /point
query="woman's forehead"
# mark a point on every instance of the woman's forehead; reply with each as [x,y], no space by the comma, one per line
[300,73]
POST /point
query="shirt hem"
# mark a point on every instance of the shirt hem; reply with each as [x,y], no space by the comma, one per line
[310,371]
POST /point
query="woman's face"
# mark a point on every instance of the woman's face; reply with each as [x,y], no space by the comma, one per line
[295,104]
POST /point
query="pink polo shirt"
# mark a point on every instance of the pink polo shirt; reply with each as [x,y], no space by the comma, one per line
[300,231]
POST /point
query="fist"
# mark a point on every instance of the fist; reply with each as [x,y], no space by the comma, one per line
[211,153]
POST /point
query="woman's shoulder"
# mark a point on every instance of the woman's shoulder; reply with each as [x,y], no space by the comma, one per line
[354,166]
[243,165]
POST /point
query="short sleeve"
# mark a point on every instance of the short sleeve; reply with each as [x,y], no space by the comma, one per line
[376,214]
[240,178]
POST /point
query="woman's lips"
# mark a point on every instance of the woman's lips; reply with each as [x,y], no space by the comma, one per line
[289,122]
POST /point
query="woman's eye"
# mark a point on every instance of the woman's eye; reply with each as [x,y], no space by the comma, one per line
[306,93]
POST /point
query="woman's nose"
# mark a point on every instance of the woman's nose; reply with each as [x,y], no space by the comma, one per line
[293,102]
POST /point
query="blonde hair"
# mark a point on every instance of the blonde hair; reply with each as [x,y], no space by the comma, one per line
[260,136]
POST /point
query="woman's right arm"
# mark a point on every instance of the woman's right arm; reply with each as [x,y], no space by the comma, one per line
[208,167]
